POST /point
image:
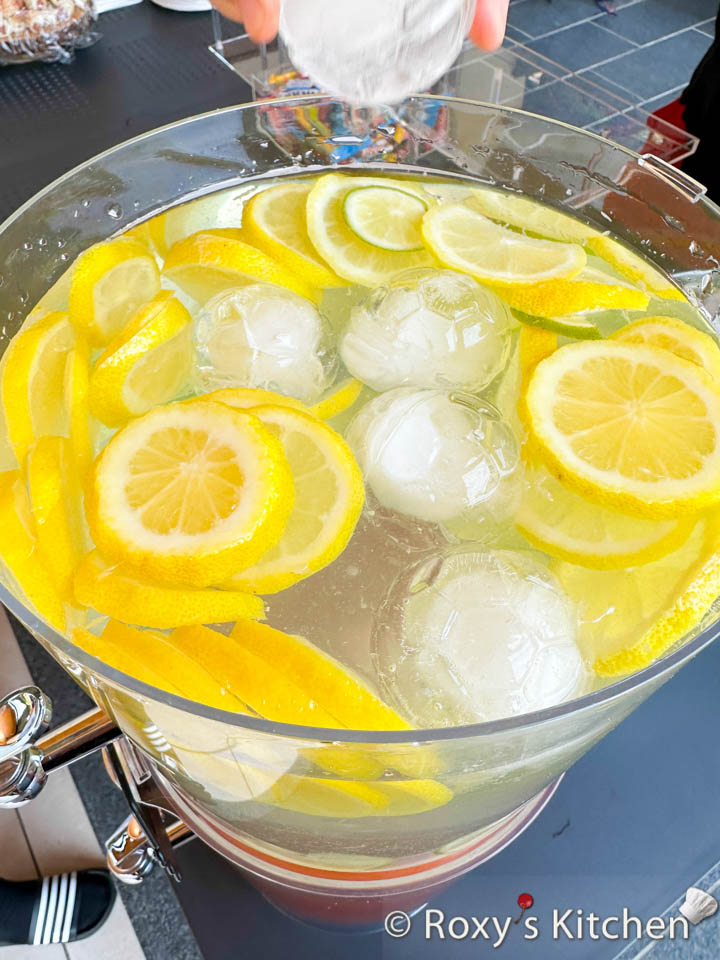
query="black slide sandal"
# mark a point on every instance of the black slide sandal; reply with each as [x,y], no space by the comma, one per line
[59,909]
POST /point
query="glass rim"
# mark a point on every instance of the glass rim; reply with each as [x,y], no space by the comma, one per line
[661,667]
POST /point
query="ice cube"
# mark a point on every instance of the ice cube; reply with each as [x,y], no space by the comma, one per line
[430,328]
[471,636]
[430,454]
[264,336]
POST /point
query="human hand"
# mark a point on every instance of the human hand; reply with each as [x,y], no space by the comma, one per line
[260,18]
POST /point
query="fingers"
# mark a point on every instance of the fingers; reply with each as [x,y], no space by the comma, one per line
[259,17]
[488,27]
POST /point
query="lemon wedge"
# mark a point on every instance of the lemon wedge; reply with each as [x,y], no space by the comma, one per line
[629,426]
[146,365]
[317,797]
[465,240]
[209,262]
[243,398]
[344,696]
[19,551]
[329,496]
[76,387]
[629,617]
[118,594]
[151,658]
[337,400]
[561,523]
[340,693]
[386,217]
[109,282]
[590,290]
[537,219]
[190,493]
[350,257]
[55,502]
[221,209]
[33,377]
[274,220]
[263,686]
[632,266]
[678,337]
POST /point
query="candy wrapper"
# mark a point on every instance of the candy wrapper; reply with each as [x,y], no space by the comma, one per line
[47,30]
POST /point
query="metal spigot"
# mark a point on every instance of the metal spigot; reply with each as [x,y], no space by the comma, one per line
[29,751]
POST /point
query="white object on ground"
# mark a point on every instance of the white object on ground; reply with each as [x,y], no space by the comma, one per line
[430,328]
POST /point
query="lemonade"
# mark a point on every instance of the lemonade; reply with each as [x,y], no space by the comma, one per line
[363,453]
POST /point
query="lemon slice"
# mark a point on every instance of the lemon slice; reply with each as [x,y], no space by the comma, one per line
[263,686]
[145,365]
[109,282]
[274,221]
[629,617]
[632,266]
[32,385]
[221,209]
[350,257]
[512,210]
[190,493]
[207,263]
[151,658]
[76,386]
[19,551]
[385,217]
[55,503]
[244,398]
[112,591]
[338,691]
[317,797]
[534,345]
[590,290]
[465,240]
[337,400]
[561,523]
[329,496]
[678,337]
[629,426]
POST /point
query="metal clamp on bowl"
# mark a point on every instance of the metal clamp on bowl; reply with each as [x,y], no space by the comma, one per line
[29,751]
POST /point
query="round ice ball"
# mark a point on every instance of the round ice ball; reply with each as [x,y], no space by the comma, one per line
[432,455]
[264,336]
[429,328]
[471,636]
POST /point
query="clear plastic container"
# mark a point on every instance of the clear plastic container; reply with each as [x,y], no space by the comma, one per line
[263,793]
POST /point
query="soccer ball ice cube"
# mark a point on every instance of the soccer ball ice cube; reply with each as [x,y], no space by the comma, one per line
[432,455]
[429,328]
[264,336]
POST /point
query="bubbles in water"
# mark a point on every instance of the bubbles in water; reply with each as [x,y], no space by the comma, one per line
[114,210]
[432,455]
[263,336]
[429,328]
[467,636]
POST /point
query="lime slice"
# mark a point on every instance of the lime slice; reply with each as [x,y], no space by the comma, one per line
[385,217]
[576,326]
[351,258]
